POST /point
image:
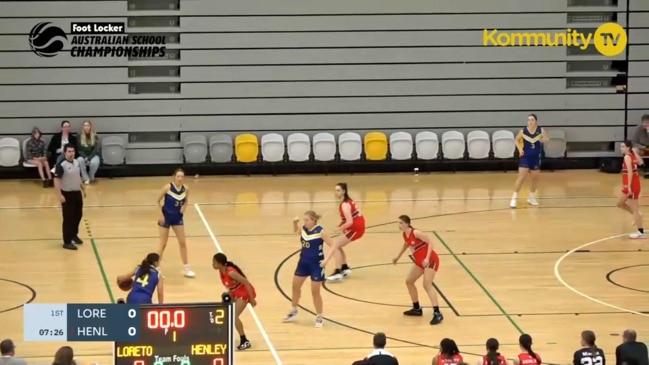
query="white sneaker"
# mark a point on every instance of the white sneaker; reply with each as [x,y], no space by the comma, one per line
[512,203]
[291,316]
[636,235]
[335,277]
[319,321]
[86,182]
[347,272]
[532,201]
[189,273]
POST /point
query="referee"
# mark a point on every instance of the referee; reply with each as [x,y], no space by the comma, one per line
[67,181]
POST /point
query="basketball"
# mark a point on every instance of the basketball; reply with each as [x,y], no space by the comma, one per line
[125,285]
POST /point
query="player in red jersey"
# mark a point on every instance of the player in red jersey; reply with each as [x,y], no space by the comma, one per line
[528,357]
[449,354]
[426,264]
[493,357]
[239,288]
[352,228]
[631,188]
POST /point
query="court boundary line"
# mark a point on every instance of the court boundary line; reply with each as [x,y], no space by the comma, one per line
[557,274]
[100,263]
[277,202]
[251,310]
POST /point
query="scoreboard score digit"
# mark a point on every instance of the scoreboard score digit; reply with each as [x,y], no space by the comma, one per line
[181,334]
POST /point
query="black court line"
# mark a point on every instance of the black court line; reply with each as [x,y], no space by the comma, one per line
[610,280]
[439,291]
[31,299]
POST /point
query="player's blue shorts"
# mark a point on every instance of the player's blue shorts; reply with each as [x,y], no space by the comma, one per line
[530,161]
[136,297]
[172,219]
[311,269]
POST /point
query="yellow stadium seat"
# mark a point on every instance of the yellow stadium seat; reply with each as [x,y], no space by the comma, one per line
[246,148]
[376,146]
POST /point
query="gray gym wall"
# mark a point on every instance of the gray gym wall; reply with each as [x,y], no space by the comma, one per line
[291,65]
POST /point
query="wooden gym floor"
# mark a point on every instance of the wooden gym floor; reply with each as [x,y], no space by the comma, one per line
[551,271]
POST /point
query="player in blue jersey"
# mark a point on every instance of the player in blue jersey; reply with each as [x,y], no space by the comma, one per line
[172,202]
[311,264]
[146,279]
[528,142]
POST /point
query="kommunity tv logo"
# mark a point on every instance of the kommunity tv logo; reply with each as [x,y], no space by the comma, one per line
[94,40]
[610,39]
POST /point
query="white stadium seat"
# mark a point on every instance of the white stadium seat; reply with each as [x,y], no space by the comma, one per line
[221,148]
[298,146]
[10,152]
[324,147]
[478,144]
[194,147]
[350,146]
[503,144]
[401,146]
[272,147]
[113,150]
[427,145]
[556,146]
[453,145]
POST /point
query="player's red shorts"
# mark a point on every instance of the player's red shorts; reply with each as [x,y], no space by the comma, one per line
[635,192]
[241,292]
[356,231]
[420,255]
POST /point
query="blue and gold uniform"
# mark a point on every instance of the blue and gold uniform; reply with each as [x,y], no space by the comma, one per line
[311,254]
[173,202]
[532,148]
[143,287]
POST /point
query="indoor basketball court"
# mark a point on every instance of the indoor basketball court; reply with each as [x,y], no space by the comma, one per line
[550,271]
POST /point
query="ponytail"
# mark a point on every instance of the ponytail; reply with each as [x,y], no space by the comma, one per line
[231,264]
[534,355]
[148,262]
[493,358]
[525,341]
[145,268]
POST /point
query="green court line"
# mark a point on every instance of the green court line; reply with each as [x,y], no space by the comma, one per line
[484,289]
[93,244]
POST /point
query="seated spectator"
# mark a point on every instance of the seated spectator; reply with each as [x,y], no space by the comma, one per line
[631,352]
[55,148]
[64,356]
[88,152]
[493,357]
[8,351]
[589,353]
[37,156]
[527,356]
[379,356]
[449,354]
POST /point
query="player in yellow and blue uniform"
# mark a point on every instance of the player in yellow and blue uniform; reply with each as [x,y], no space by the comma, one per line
[529,143]
[146,279]
[174,198]
[310,265]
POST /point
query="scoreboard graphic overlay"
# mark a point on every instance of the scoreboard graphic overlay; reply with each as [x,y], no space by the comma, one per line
[165,334]
[181,334]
